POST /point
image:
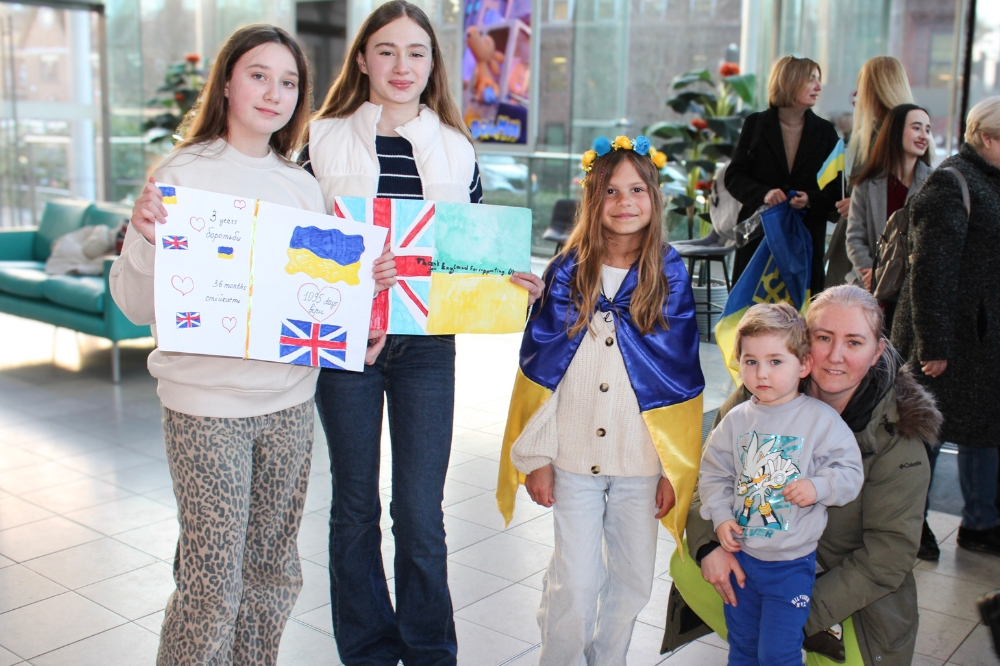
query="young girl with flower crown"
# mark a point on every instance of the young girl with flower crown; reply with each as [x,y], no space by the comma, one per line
[606,412]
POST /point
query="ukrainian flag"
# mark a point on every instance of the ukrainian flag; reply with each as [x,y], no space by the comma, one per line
[779,271]
[663,368]
[834,165]
[325,254]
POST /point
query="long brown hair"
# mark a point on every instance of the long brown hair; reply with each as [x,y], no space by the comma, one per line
[351,89]
[887,154]
[587,241]
[208,119]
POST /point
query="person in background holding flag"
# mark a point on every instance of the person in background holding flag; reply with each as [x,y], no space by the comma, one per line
[783,149]
[605,418]
[238,433]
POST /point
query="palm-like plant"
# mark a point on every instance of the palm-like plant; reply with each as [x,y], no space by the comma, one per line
[695,147]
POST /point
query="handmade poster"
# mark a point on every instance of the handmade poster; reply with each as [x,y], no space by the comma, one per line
[236,276]
[453,263]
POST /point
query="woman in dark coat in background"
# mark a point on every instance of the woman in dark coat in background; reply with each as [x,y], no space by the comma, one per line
[947,322]
[783,149]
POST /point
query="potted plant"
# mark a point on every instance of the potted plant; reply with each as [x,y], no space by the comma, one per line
[695,147]
[182,84]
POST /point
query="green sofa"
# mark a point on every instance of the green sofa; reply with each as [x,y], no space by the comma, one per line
[79,303]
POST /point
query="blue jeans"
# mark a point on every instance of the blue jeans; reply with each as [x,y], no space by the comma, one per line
[977,474]
[417,376]
[765,626]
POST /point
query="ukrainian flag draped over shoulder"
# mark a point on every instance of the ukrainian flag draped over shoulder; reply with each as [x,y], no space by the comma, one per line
[778,271]
[663,368]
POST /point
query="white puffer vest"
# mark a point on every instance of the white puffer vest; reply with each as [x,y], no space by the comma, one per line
[343,157]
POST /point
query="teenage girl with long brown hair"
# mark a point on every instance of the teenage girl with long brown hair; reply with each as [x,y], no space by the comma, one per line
[615,445]
[390,128]
[238,433]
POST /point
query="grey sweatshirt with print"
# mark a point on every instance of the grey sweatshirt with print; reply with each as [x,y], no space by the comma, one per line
[751,456]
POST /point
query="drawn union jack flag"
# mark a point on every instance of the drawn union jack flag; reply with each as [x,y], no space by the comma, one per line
[309,343]
[175,242]
[402,309]
[188,319]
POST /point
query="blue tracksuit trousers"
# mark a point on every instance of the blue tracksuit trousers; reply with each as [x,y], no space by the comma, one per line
[765,626]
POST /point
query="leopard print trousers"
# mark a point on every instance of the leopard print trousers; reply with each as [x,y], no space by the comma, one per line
[240,486]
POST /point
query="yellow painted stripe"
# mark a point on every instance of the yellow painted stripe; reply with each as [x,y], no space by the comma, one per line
[468,303]
[253,237]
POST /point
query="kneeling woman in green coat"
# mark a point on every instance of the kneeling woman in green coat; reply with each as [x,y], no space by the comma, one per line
[864,602]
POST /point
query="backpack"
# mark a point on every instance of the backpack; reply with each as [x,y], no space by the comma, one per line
[892,254]
[723,208]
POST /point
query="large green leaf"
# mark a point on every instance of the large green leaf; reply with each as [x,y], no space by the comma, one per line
[743,85]
[717,151]
[687,78]
[675,147]
[726,128]
[682,103]
[666,130]
[681,201]
[708,166]
[706,216]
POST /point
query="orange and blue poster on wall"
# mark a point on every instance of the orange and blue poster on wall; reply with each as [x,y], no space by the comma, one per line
[453,263]
[496,70]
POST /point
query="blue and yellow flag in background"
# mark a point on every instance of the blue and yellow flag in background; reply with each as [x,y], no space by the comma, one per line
[833,165]
[779,271]
[663,368]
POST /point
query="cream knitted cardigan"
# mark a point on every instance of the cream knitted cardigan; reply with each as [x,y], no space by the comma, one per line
[591,424]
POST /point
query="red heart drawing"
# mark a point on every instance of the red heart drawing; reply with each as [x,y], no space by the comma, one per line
[197,223]
[229,323]
[239,203]
[318,303]
[185,285]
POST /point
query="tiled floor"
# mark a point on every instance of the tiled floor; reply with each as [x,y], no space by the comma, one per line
[87,525]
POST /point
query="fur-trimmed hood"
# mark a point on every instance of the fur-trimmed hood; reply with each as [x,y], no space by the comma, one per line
[916,412]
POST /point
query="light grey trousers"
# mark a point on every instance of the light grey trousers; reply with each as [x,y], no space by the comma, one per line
[601,573]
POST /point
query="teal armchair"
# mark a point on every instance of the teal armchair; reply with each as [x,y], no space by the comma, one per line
[77,302]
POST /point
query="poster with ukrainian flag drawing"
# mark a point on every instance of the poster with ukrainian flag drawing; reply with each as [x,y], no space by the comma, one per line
[453,263]
[240,277]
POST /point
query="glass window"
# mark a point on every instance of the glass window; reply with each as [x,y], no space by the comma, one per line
[560,10]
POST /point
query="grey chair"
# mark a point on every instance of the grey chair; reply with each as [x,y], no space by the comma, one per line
[701,252]
[561,224]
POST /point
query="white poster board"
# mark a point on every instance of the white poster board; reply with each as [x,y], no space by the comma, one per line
[236,276]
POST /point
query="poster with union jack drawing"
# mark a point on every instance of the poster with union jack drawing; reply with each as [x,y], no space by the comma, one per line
[453,263]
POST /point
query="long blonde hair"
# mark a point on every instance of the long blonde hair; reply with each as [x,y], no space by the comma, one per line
[882,85]
[351,89]
[587,241]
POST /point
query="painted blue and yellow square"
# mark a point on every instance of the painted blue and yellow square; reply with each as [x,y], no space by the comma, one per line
[453,263]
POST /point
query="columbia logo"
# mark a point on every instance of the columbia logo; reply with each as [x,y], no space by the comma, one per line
[801,601]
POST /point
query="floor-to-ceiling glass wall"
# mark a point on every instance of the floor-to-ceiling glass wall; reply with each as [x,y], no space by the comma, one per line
[50,109]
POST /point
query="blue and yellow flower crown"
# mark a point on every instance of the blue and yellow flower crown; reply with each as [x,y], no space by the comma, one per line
[640,144]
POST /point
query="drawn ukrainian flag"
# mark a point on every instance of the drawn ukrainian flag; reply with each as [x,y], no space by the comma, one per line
[169,194]
[833,165]
[779,271]
[325,254]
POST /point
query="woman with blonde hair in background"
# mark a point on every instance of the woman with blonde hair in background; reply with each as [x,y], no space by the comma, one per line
[882,85]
